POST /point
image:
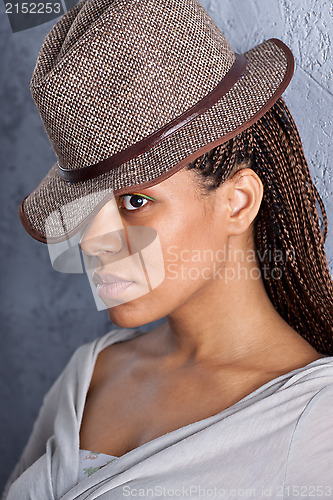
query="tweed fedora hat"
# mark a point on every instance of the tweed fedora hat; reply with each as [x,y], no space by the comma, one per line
[129,92]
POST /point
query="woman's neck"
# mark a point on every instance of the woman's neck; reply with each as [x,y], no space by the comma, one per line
[229,324]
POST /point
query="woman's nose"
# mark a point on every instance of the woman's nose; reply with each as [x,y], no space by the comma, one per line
[104,235]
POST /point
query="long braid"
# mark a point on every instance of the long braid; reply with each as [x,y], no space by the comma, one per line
[299,284]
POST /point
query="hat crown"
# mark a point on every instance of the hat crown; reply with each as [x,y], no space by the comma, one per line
[110,73]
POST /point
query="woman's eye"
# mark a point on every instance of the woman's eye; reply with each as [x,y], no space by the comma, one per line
[132,201]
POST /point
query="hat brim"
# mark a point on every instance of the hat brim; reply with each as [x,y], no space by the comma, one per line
[268,73]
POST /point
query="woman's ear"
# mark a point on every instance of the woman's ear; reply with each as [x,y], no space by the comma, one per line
[244,195]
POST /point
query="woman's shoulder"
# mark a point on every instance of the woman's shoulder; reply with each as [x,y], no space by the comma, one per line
[305,392]
[90,350]
[114,336]
[317,373]
[82,363]
[310,456]
[299,386]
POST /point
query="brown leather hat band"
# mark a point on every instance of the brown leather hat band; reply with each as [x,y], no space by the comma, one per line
[83,174]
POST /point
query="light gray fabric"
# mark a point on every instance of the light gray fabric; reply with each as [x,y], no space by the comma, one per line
[277,438]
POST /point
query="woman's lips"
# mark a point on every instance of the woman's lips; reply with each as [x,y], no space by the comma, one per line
[110,286]
[112,290]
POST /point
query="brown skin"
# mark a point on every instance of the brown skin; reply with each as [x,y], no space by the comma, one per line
[221,341]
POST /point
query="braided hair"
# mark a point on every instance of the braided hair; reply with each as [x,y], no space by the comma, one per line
[287,224]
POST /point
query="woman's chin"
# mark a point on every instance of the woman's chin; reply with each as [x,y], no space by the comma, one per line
[123,316]
[128,315]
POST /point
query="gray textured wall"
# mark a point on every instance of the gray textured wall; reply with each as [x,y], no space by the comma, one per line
[46,315]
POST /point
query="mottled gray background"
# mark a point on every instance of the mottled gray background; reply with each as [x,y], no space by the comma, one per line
[46,315]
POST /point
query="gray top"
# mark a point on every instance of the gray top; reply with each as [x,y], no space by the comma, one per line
[277,442]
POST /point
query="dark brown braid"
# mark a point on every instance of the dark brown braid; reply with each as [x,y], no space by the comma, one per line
[299,284]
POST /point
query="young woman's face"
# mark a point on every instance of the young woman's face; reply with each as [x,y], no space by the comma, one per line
[181,235]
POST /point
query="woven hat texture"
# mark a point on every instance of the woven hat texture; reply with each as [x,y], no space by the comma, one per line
[129,92]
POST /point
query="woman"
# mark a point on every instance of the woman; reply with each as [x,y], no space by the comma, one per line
[230,397]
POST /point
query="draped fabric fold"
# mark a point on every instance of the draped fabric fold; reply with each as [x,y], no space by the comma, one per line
[253,447]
